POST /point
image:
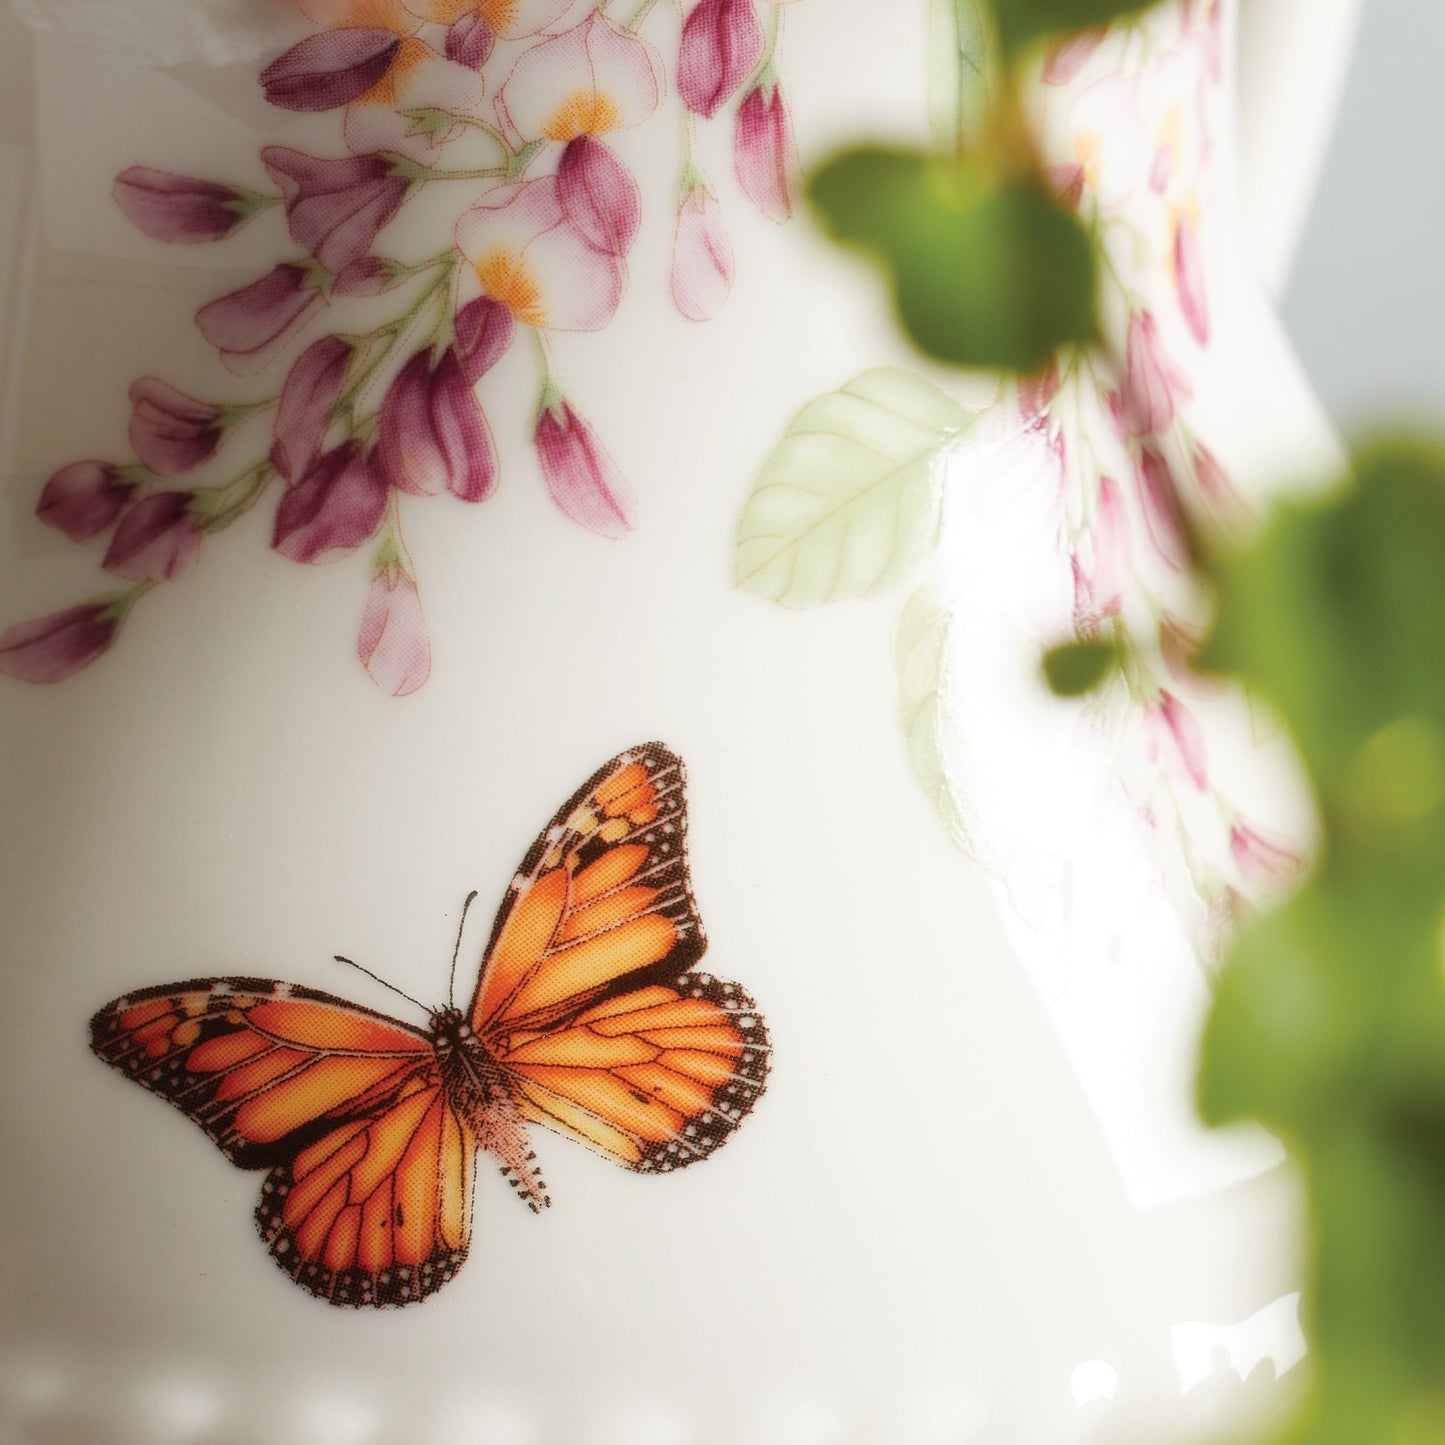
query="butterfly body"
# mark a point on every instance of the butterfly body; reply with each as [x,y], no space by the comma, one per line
[587,1019]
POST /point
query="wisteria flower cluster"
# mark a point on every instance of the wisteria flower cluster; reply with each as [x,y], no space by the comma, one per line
[502,111]
[1136,480]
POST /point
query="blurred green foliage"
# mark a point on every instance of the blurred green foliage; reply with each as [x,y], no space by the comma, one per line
[1329,1023]
[1028,288]
[1329,1020]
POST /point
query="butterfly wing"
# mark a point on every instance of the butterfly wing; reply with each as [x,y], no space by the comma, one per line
[655,1078]
[369,1192]
[586,997]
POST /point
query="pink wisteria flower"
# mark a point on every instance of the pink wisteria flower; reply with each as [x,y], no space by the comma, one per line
[1263,857]
[1175,741]
[182,210]
[392,643]
[583,479]
[1189,282]
[599,195]
[385,118]
[528,255]
[1164,516]
[333,509]
[330,69]
[722,42]
[171,431]
[158,539]
[248,326]
[765,155]
[52,648]
[334,208]
[1153,384]
[1065,58]
[1099,589]
[432,435]
[593,79]
[702,256]
[380,403]
[307,405]
[84,499]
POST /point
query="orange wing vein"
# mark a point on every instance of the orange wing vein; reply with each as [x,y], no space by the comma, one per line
[369,1192]
[601,900]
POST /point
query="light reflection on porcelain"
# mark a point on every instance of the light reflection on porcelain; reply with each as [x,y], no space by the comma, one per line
[966,1189]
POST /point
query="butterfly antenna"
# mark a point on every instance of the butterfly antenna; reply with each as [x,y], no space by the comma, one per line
[353,963]
[456,952]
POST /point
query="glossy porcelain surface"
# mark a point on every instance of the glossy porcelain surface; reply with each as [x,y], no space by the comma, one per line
[972,1204]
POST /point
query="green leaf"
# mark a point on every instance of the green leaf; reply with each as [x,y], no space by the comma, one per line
[986,271]
[920,656]
[1338,610]
[1079,667]
[848,502]
[1022,22]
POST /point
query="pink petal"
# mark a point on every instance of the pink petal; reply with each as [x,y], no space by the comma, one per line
[1153,384]
[407,449]
[308,399]
[1164,515]
[722,42]
[1176,742]
[583,480]
[702,257]
[157,539]
[1066,58]
[1262,857]
[179,209]
[84,499]
[50,649]
[765,155]
[1111,548]
[330,69]
[599,195]
[482,331]
[333,509]
[246,326]
[1189,280]
[392,643]
[462,433]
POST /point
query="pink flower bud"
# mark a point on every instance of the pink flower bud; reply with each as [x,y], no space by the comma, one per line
[171,431]
[1115,414]
[1175,741]
[1164,515]
[308,400]
[461,431]
[1215,487]
[335,208]
[1189,280]
[368,276]
[157,540]
[470,40]
[722,42]
[583,480]
[482,331]
[181,209]
[702,257]
[432,436]
[1178,645]
[330,69]
[1153,384]
[84,499]
[765,155]
[245,326]
[1111,549]
[50,649]
[334,508]
[1261,857]
[599,195]
[392,644]
[1067,183]
[1065,58]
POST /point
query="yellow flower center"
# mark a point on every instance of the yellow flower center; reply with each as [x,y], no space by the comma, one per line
[409,54]
[584,112]
[505,278]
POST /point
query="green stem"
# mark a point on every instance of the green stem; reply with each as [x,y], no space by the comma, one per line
[643,10]
[237,498]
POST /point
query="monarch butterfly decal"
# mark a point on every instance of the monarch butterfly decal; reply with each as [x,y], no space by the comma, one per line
[587,1018]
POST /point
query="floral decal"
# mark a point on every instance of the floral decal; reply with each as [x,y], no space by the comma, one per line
[503,115]
[1095,473]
